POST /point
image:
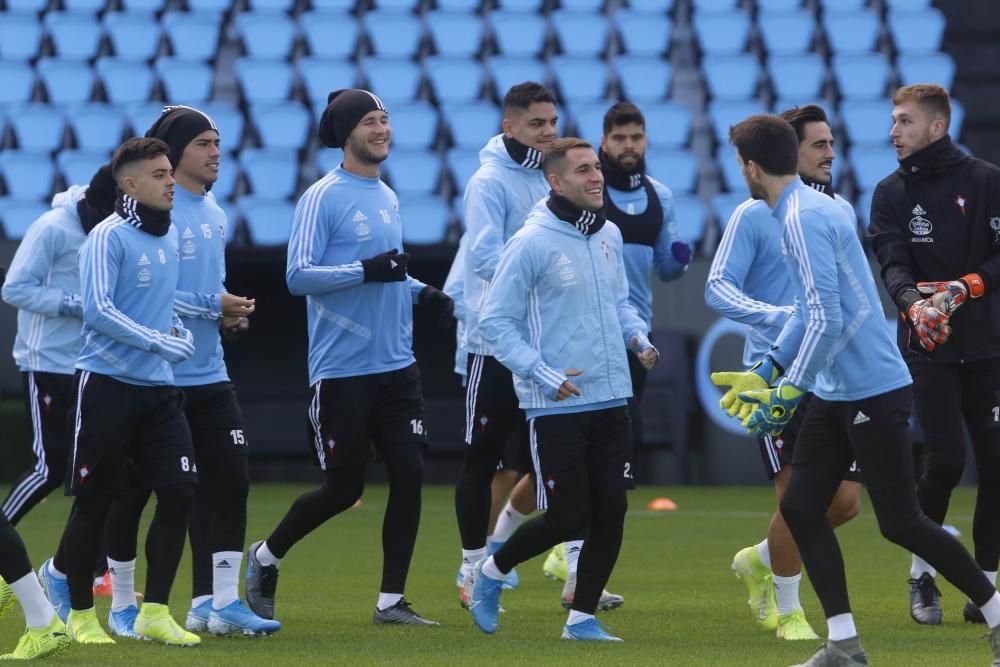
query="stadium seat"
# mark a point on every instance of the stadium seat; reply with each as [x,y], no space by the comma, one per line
[723,32]
[580,79]
[75,36]
[689,216]
[393,34]
[651,6]
[321,77]
[125,81]
[141,115]
[507,71]
[20,36]
[37,127]
[413,171]
[281,125]
[867,122]
[216,7]
[778,6]
[424,219]
[852,32]
[580,33]
[714,5]
[271,174]
[143,6]
[97,127]
[643,78]
[333,5]
[916,31]
[786,33]
[393,80]
[272,5]
[518,33]
[459,5]
[926,68]
[455,34]
[871,164]
[185,82]
[18,82]
[724,114]
[317,27]
[229,173]
[16,215]
[84,6]
[398,5]
[193,35]
[78,167]
[726,160]
[861,76]
[328,158]
[30,6]
[414,125]
[66,81]
[472,124]
[907,5]
[842,6]
[589,120]
[643,34]
[454,79]
[264,80]
[676,168]
[797,76]
[229,120]
[26,174]
[723,205]
[267,35]
[521,5]
[731,77]
[268,221]
[957,118]
[668,124]
[133,36]
[462,163]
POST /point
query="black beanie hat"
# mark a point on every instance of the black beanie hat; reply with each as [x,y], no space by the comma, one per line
[344,110]
[178,126]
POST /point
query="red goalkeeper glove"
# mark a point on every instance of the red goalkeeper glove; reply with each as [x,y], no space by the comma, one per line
[948,296]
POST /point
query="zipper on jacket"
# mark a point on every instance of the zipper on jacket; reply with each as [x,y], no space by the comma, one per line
[600,311]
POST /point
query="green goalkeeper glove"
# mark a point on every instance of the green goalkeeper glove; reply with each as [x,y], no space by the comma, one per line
[772,409]
[760,376]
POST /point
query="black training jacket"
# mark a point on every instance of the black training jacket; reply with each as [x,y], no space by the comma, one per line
[937,217]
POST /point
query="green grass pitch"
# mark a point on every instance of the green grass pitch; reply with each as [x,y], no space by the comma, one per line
[683,604]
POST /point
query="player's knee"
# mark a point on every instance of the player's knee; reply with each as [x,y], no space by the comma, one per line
[343,486]
[944,471]
[175,500]
[798,515]
[568,521]
[843,509]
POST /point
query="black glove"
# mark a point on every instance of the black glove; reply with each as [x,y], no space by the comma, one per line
[389,267]
[234,332]
[439,304]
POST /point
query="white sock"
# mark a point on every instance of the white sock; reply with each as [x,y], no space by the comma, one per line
[53,571]
[507,523]
[991,611]
[786,590]
[225,578]
[37,610]
[491,570]
[386,600]
[573,549]
[764,553]
[919,567]
[122,583]
[470,557]
[841,627]
[265,556]
[992,576]
[577,617]
[200,600]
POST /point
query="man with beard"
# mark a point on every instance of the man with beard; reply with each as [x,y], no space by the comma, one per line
[749,283]
[935,228]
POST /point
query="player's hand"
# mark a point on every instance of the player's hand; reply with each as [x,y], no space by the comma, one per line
[236,306]
[389,267]
[930,324]
[567,388]
[439,303]
[760,376]
[648,356]
[233,328]
[772,408]
[947,296]
[176,346]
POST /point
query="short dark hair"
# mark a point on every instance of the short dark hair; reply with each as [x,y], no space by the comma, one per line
[799,117]
[930,97]
[623,113]
[556,154]
[769,141]
[523,95]
[137,149]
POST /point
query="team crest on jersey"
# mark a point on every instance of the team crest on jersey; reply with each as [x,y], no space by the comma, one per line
[920,225]
[188,248]
[960,202]
[363,231]
[145,275]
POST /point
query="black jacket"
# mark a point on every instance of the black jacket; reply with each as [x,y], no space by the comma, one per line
[937,217]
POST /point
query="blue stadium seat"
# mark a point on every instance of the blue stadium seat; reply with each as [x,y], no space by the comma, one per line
[268,221]
[321,77]
[723,205]
[521,5]
[907,5]
[507,71]
[97,127]
[472,124]
[714,5]
[588,118]
[413,171]
[193,35]
[37,127]
[229,120]
[842,6]
[580,79]
[414,125]
[852,32]
[20,36]
[731,77]
[651,6]
[393,80]
[216,7]
[125,81]
[281,125]
[327,158]
[797,76]
[454,79]
[27,174]
[581,33]
[725,158]
[264,80]
[75,36]
[66,81]
[317,28]
[272,5]
[32,6]
[16,215]
[272,174]
[459,5]
[916,31]
[333,5]
[518,33]
[78,167]
[143,6]
[229,173]
[861,76]
[184,81]
[867,122]
[722,33]
[84,6]
[643,78]
[456,33]
[677,168]
[957,117]
[786,33]
[393,34]
[18,82]
[689,216]
[425,219]
[723,114]
[643,34]
[462,163]
[871,164]
[778,6]
[133,36]
[398,5]
[267,35]
[926,68]
[668,124]
[141,115]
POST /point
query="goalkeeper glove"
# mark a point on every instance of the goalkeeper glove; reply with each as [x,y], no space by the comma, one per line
[760,376]
[772,409]
[948,296]
[930,324]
